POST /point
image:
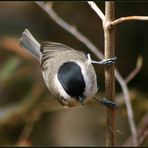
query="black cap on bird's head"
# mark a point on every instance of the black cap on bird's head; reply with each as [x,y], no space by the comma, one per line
[71,79]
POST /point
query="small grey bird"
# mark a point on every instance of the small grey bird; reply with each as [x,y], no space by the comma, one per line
[68,74]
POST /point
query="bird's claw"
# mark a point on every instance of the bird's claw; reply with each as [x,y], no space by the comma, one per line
[106,61]
[107,102]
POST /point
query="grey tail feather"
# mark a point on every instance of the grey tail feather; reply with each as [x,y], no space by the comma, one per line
[28,42]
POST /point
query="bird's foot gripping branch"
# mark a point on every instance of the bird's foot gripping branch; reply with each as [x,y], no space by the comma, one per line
[105,62]
[107,102]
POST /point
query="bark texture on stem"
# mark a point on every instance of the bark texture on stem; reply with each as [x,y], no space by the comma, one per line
[109,36]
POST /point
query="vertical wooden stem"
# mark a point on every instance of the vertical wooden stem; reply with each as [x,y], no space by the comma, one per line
[109,35]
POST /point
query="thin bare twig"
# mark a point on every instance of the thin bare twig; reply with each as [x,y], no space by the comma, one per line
[129,18]
[97,10]
[26,132]
[69,28]
[132,94]
[29,124]
[143,138]
[96,51]
[135,71]
[142,132]
[128,106]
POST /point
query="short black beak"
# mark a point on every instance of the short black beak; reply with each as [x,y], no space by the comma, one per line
[81,99]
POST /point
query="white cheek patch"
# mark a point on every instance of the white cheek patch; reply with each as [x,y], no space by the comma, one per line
[59,88]
[90,88]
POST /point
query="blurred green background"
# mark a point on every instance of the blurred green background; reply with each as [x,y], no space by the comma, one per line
[21,83]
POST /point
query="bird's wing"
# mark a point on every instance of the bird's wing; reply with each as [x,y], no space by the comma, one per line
[49,51]
[52,49]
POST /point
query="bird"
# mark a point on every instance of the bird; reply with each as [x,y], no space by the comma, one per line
[67,73]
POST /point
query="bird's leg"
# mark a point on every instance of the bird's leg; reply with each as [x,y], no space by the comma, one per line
[104,61]
[107,102]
